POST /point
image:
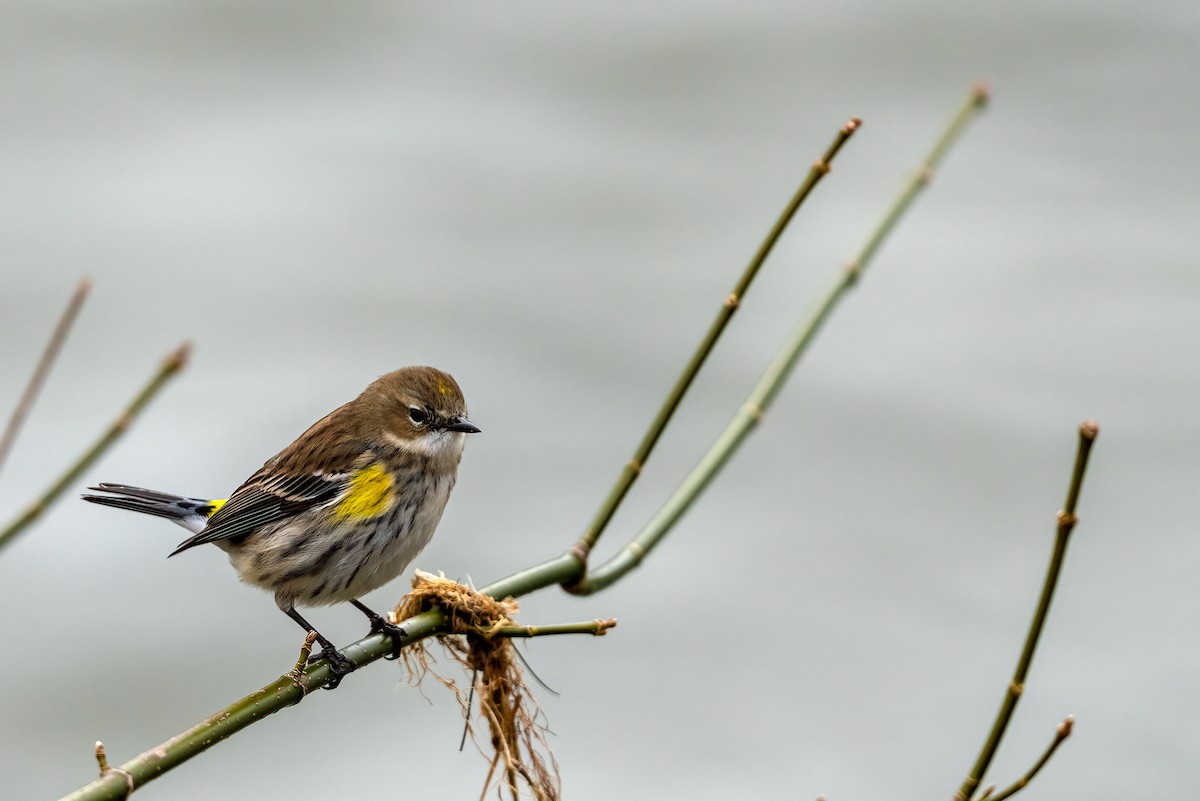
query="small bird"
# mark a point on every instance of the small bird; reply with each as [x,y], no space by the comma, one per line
[342,510]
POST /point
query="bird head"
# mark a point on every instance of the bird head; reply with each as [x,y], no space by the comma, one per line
[420,408]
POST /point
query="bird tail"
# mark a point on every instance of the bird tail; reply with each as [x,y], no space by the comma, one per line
[191,513]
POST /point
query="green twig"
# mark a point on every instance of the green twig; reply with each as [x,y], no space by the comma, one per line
[305,652]
[170,366]
[108,771]
[596,628]
[1066,523]
[919,180]
[43,367]
[633,468]
[753,410]
[1060,734]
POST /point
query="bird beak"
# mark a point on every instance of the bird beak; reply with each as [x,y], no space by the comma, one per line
[462,424]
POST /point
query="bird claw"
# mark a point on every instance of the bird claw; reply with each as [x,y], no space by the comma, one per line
[339,665]
[397,633]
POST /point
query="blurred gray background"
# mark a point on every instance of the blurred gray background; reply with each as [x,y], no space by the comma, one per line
[550,201]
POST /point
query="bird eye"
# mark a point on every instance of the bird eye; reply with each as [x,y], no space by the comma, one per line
[417,415]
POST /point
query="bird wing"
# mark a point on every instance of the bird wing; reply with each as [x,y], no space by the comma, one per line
[300,477]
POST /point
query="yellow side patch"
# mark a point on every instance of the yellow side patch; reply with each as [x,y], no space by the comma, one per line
[213,506]
[370,494]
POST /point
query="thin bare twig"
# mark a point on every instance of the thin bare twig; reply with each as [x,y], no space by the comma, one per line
[980,94]
[597,628]
[1060,735]
[1066,523]
[170,366]
[108,770]
[768,386]
[633,468]
[43,367]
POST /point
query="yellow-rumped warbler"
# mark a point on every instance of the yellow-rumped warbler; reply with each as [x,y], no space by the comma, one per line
[343,509]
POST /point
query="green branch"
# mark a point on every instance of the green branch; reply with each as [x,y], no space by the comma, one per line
[43,367]
[597,628]
[1066,523]
[170,366]
[768,386]
[1060,735]
[633,468]
[920,179]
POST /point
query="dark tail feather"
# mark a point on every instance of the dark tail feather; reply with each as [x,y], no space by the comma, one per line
[191,513]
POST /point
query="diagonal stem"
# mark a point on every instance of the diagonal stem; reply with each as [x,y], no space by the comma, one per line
[633,468]
[768,386]
[43,367]
[1060,735]
[170,366]
[1066,523]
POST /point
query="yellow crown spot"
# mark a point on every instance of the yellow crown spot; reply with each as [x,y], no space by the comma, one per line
[370,495]
[213,506]
[442,388]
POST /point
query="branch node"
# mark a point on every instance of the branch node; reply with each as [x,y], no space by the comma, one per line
[1089,429]
[105,769]
[296,674]
[732,301]
[636,551]
[755,411]
[1066,520]
[822,166]
[1016,688]
[581,550]
[852,125]
[178,358]
[981,93]
[925,175]
[1066,727]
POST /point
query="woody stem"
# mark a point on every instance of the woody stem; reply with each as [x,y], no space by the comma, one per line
[633,468]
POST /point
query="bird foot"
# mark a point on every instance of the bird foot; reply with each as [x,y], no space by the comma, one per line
[339,664]
[397,633]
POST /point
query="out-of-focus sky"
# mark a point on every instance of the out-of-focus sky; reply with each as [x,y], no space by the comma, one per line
[550,201]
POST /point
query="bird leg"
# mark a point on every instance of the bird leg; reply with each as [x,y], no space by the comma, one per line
[339,663]
[380,626]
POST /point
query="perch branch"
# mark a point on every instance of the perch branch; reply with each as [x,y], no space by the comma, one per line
[633,468]
[43,367]
[170,366]
[753,410]
[1066,523]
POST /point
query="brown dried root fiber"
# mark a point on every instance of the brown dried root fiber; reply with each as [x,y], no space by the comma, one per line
[517,738]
